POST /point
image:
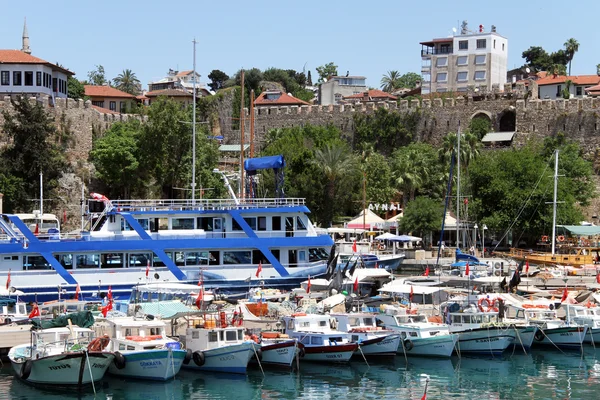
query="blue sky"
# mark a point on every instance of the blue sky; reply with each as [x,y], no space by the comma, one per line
[366,38]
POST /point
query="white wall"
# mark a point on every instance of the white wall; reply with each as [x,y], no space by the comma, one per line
[31,90]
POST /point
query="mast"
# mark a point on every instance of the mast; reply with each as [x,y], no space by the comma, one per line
[242,139]
[458,187]
[194,130]
[554,202]
[41,199]
[364,200]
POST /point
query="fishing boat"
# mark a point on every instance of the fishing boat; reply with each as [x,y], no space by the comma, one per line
[588,315]
[142,348]
[125,243]
[321,342]
[419,336]
[219,344]
[64,355]
[12,310]
[278,350]
[362,329]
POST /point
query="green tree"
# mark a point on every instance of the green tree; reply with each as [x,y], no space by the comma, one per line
[423,216]
[75,89]
[252,79]
[97,76]
[480,126]
[537,58]
[409,80]
[598,69]
[217,79]
[390,81]
[115,156]
[571,47]
[385,130]
[34,147]
[412,169]
[378,173]
[127,82]
[327,70]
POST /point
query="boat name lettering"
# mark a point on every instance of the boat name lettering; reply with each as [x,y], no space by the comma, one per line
[101,366]
[282,351]
[566,334]
[227,358]
[60,366]
[487,340]
[150,363]
[333,356]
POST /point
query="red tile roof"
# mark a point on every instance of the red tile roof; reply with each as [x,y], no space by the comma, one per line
[104,110]
[184,73]
[284,99]
[371,94]
[169,93]
[105,91]
[577,80]
[593,89]
[18,57]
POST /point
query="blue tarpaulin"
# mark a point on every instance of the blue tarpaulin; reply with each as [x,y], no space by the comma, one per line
[254,164]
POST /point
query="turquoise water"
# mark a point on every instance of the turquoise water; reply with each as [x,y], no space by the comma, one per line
[544,374]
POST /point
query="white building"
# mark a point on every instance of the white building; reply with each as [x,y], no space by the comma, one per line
[552,86]
[180,80]
[23,74]
[336,88]
[466,60]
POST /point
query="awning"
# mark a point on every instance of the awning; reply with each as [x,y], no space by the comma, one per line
[168,309]
[582,230]
[498,137]
[233,147]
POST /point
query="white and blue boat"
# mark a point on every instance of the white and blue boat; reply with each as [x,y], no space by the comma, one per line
[131,242]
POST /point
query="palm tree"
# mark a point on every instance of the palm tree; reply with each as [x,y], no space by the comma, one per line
[557,69]
[390,81]
[336,162]
[571,47]
[412,170]
[128,82]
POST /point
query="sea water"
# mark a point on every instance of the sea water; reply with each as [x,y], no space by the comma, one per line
[543,374]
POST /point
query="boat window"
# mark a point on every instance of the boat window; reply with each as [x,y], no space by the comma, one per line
[276,223]
[179,258]
[305,340]
[317,340]
[291,324]
[337,339]
[251,221]
[155,331]
[457,319]
[66,260]
[317,254]
[196,258]
[205,223]
[302,256]
[355,338]
[369,321]
[354,321]
[157,262]
[293,258]
[139,260]
[121,346]
[212,337]
[182,223]
[112,260]
[276,254]
[231,336]
[195,334]
[289,226]
[144,223]
[240,334]
[235,226]
[214,258]
[237,257]
[262,223]
[35,262]
[259,257]
[88,260]
[413,334]
[300,224]
[322,323]
[130,347]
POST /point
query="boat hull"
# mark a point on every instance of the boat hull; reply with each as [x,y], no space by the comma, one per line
[68,369]
[379,346]
[231,359]
[434,346]
[568,337]
[330,354]
[159,365]
[525,335]
[485,341]
[281,354]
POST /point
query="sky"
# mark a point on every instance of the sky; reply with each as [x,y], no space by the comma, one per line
[365,38]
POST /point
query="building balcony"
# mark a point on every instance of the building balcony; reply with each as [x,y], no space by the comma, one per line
[433,51]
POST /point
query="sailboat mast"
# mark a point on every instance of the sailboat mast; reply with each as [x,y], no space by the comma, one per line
[242,122]
[554,202]
[194,130]
[41,198]
[458,188]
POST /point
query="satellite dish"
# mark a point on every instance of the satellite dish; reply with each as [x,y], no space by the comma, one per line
[324,80]
[454,30]
[527,70]
[156,276]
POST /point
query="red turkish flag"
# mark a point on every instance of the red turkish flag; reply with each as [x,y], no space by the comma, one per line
[35,312]
[467,269]
[354,249]
[259,269]
[308,285]
[565,295]
[426,271]
[355,286]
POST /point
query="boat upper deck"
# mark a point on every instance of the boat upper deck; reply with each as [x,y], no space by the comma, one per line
[145,206]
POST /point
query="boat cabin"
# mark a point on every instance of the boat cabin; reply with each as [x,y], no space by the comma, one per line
[127,334]
[213,338]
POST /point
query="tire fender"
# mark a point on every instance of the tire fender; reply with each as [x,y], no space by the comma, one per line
[119,360]
[26,369]
[199,358]
[188,357]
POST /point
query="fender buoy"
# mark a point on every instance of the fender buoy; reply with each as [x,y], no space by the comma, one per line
[408,344]
[561,238]
[26,369]
[199,358]
[188,357]
[539,335]
[544,238]
[119,360]
[497,272]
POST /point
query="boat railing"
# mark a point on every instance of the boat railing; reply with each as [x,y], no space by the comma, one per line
[203,204]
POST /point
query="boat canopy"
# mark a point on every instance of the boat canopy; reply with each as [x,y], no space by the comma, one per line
[83,319]
[274,162]
[582,230]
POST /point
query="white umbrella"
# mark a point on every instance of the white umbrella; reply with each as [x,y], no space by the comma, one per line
[386,236]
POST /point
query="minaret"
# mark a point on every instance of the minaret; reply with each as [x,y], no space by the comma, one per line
[25,48]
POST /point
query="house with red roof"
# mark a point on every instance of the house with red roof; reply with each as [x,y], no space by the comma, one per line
[110,98]
[23,74]
[373,95]
[180,80]
[182,96]
[551,86]
[593,91]
[270,98]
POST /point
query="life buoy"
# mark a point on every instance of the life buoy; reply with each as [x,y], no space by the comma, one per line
[561,238]
[199,358]
[119,360]
[497,272]
[408,344]
[188,357]
[381,247]
[486,305]
[98,344]
[539,335]
[26,369]
[544,238]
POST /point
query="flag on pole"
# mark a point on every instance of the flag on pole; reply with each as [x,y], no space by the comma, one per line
[110,294]
[104,310]
[8,280]
[77,290]
[412,292]
[565,294]
[199,298]
[148,268]
[426,271]
[355,286]
[259,269]
[376,265]
[308,285]
[467,269]
[35,311]
[598,277]
[354,249]
[527,268]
